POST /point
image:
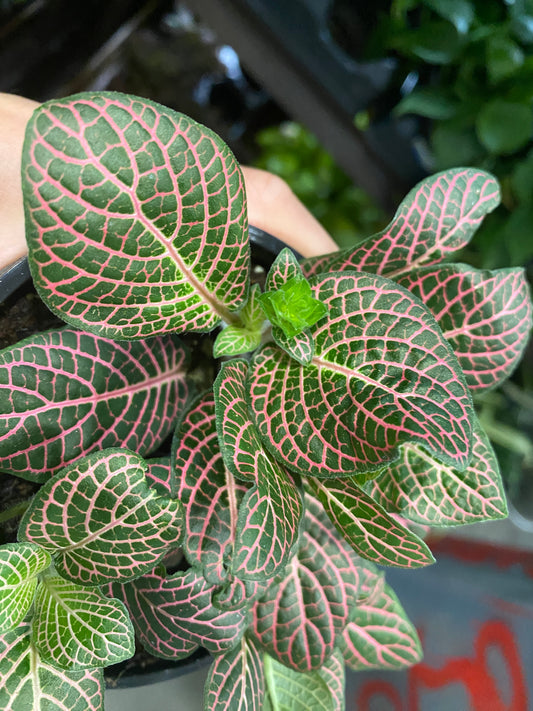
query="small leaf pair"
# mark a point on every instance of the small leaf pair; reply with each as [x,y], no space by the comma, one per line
[242,512]
[72,627]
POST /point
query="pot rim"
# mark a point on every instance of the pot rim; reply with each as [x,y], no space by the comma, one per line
[265,244]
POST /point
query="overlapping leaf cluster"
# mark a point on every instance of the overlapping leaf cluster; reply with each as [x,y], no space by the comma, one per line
[286,484]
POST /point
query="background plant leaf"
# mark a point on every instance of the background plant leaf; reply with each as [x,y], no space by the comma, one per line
[20,564]
[174,615]
[379,635]
[485,315]
[428,492]
[236,680]
[438,217]
[367,527]
[100,519]
[135,213]
[28,682]
[382,375]
[75,627]
[503,127]
[66,393]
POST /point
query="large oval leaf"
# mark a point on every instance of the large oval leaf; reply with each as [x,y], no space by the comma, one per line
[75,627]
[438,217]
[101,520]
[174,616]
[66,393]
[382,375]
[429,492]
[28,682]
[485,315]
[135,215]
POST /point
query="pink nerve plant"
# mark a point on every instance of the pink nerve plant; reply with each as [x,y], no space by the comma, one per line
[342,400]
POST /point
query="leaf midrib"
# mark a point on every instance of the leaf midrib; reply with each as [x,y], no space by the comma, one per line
[138,214]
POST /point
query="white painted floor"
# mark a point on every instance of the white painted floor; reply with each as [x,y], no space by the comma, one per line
[184,693]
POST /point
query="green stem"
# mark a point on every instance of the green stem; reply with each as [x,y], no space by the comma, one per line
[14,511]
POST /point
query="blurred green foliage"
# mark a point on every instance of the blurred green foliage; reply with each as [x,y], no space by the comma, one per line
[345,211]
[473,60]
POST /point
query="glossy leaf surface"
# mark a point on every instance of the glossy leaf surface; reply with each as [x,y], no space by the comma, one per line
[428,492]
[20,564]
[236,680]
[100,519]
[485,315]
[209,492]
[382,375]
[379,635]
[66,393]
[28,682]
[76,627]
[438,217]
[367,527]
[289,689]
[136,220]
[173,616]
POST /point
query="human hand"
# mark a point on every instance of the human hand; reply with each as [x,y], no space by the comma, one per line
[272,206]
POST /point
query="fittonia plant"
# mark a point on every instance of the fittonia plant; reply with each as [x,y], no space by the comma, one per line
[341,413]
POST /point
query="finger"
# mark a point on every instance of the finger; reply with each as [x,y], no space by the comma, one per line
[273,207]
[15,112]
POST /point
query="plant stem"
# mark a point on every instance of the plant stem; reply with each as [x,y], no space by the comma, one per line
[13,511]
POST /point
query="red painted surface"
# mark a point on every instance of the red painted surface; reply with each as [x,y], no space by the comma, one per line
[472,673]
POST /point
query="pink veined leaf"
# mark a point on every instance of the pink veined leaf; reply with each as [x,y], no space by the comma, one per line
[382,375]
[438,217]
[236,680]
[429,492]
[284,267]
[367,527]
[136,217]
[300,347]
[269,514]
[300,616]
[485,315]
[173,616]
[346,561]
[379,635]
[101,521]
[208,491]
[160,475]
[29,682]
[67,393]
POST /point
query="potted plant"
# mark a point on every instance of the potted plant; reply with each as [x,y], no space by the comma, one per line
[336,419]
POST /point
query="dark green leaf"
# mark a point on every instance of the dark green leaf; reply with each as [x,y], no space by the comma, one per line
[504,127]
